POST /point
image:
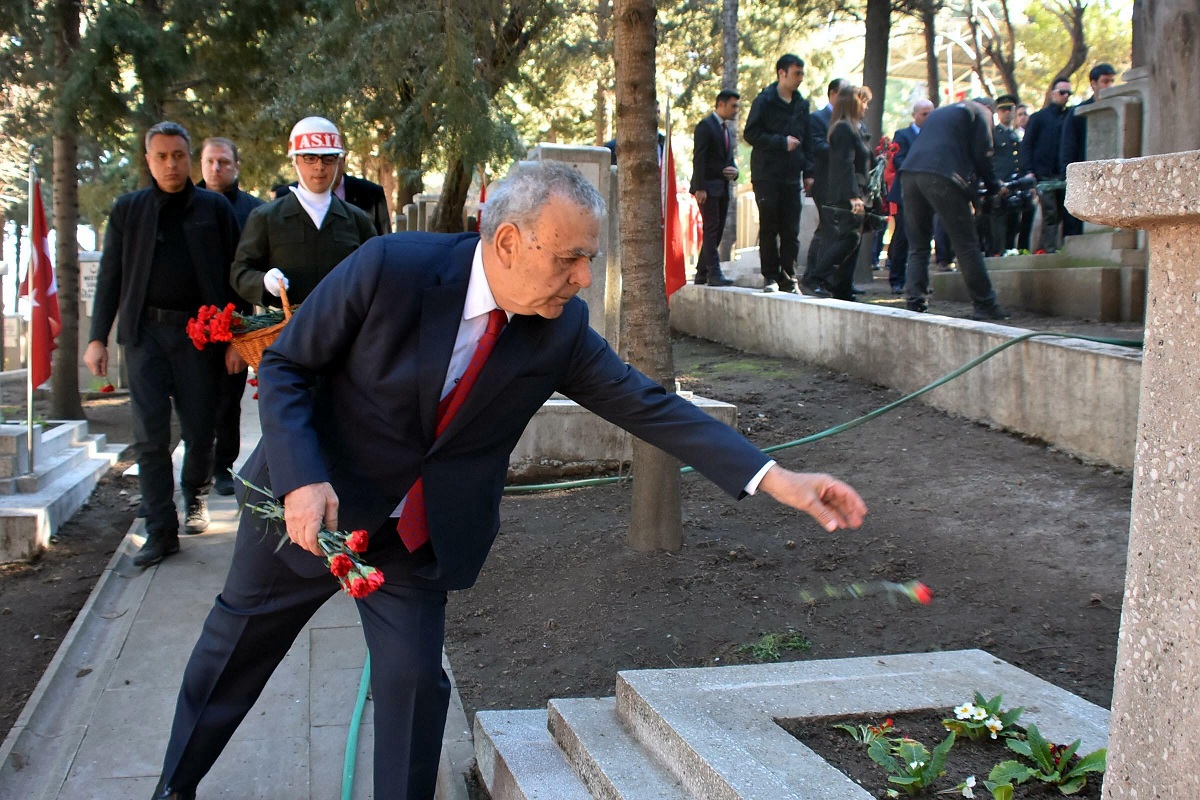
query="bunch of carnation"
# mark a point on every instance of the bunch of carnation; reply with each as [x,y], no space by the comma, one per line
[211,324]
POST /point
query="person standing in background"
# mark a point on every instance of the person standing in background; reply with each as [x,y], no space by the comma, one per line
[713,168]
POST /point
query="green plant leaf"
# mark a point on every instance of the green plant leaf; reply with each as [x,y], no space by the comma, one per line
[850,729]
[1093,762]
[937,762]
[880,753]
[1065,759]
[1021,747]
[1002,791]
[1039,748]
[1072,786]
[1008,771]
[1011,716]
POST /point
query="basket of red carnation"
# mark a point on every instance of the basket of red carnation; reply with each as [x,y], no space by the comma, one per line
[249,335]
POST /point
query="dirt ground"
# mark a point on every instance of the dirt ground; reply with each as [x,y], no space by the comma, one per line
[1023,546]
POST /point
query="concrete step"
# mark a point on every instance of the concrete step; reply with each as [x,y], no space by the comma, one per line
[1103,245]
[48,469]
[64,435]
[519,761]
[605,756]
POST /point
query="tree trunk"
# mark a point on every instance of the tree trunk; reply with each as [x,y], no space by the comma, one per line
[1172,28]
[875,62]
[65,403]
[1139,55]
[3,231]
[603,85]
[1070,13]
[656,522]
[929,24]
[449,215]
[729,80]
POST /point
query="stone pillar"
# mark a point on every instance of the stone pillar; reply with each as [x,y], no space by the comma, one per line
[1156,697]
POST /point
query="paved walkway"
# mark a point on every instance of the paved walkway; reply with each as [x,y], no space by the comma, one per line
[96,726]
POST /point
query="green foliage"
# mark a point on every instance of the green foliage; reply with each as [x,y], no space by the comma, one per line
[1052,762]
[1043,46]
[983,719]
[866,734]
[909,763]
[769,646]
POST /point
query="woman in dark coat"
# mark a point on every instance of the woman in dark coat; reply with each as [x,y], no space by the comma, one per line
[849,169]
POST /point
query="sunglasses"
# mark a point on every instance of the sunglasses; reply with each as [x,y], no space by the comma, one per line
[310,159]
[1063,92]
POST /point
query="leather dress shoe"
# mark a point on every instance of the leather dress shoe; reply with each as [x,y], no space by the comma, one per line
[719,280]
[815,289]
[157,547]
[167,793]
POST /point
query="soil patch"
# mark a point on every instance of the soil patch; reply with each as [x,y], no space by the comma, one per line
[966,757]
[1024,548]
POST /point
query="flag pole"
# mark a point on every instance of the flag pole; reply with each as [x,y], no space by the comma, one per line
[29,329]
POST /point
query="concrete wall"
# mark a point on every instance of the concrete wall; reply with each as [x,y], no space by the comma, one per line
[1080,396]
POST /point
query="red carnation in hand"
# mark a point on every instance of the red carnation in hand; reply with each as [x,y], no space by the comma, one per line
[358,588]
[375,579]
[357,541]
[341,565]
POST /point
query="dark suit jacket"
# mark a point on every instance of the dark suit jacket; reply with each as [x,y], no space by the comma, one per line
[371,198]
[905,138]
[849,165]
[818,131]
[710,155]
[210,230]
[349,391]
[1072,145]
[956,143]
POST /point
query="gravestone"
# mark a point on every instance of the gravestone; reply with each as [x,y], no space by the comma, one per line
[1156,696]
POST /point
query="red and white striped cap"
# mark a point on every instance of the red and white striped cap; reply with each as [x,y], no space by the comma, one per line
[315,135]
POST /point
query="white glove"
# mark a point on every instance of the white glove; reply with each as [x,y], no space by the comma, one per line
[272,280]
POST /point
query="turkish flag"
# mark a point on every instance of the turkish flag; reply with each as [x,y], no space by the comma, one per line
[672,229]
[44,319]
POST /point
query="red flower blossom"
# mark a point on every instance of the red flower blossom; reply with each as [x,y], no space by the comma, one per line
[357,541]
[255,397]
[252,381]
[375,579]
[1039,252]
[108,388]
[357,588]
[340,565]
[923,594]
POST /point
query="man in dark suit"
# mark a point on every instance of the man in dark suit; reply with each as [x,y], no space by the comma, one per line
[712,169]
[898,247]
[167,250]
[368,196]
[350,394]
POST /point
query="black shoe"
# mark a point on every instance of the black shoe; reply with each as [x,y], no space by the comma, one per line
[897,290]
[223,483]
[786,285]
[918,306]
[197,516]
[768,287]
[157,547]
[167,793]
[699,281]
[719,280]
[990,314]
[857,290]
[815,289]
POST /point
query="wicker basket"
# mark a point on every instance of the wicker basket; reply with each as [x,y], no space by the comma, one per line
[250,345]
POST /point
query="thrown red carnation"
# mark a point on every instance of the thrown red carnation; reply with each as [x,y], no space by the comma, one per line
[340,565]
[108,388]
[357,541]
[923,594]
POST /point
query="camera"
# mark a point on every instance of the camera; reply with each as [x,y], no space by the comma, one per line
[1019,197]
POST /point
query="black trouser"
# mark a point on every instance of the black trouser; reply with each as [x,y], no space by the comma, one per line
[1052,211]
[163,366]
[1006,224]
[260,611]
[229,421]
[816,244]
[945,250]
[1025,227]
[838,258]
[778,229]
[898,251]
[708,264]
[926,194]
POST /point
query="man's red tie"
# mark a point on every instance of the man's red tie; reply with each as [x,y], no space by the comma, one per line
[412,526]
[727,142]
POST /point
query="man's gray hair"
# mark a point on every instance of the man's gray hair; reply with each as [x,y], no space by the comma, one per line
[519,198]
[168,129]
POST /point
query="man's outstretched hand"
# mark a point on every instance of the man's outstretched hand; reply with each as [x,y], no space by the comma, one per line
[829,501]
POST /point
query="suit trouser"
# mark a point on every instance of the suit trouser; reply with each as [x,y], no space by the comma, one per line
[778,228]
[898,250]
[926,194]
[817,243]
[255,619]
[708,264]
[163,366]
[229,421]
[838,258]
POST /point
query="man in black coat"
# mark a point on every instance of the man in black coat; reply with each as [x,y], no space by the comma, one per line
[368,196]
[220,165]
[780,163]
[1039,156]
[167,251]
[712,169]
[1005,220]
[1073,145]
[946,163]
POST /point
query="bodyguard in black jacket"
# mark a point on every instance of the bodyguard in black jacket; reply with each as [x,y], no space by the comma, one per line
[777,130]
[947,162]
[1039,155]
[167,251]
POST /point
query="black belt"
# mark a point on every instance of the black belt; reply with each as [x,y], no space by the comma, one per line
[166,316]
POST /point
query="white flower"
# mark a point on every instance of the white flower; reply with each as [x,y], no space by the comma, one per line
[979,713]
[967,787]
[994,725]
[913,765]
[964,711]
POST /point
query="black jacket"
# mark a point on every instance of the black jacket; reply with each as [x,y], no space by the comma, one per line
[1039,148]
[1072,145]
[371,198]
[711,153]
[1007,159]
[849,165]
[210,230]
[770,122]
[242,202]
[956,143]
[904,138]
[818,149]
